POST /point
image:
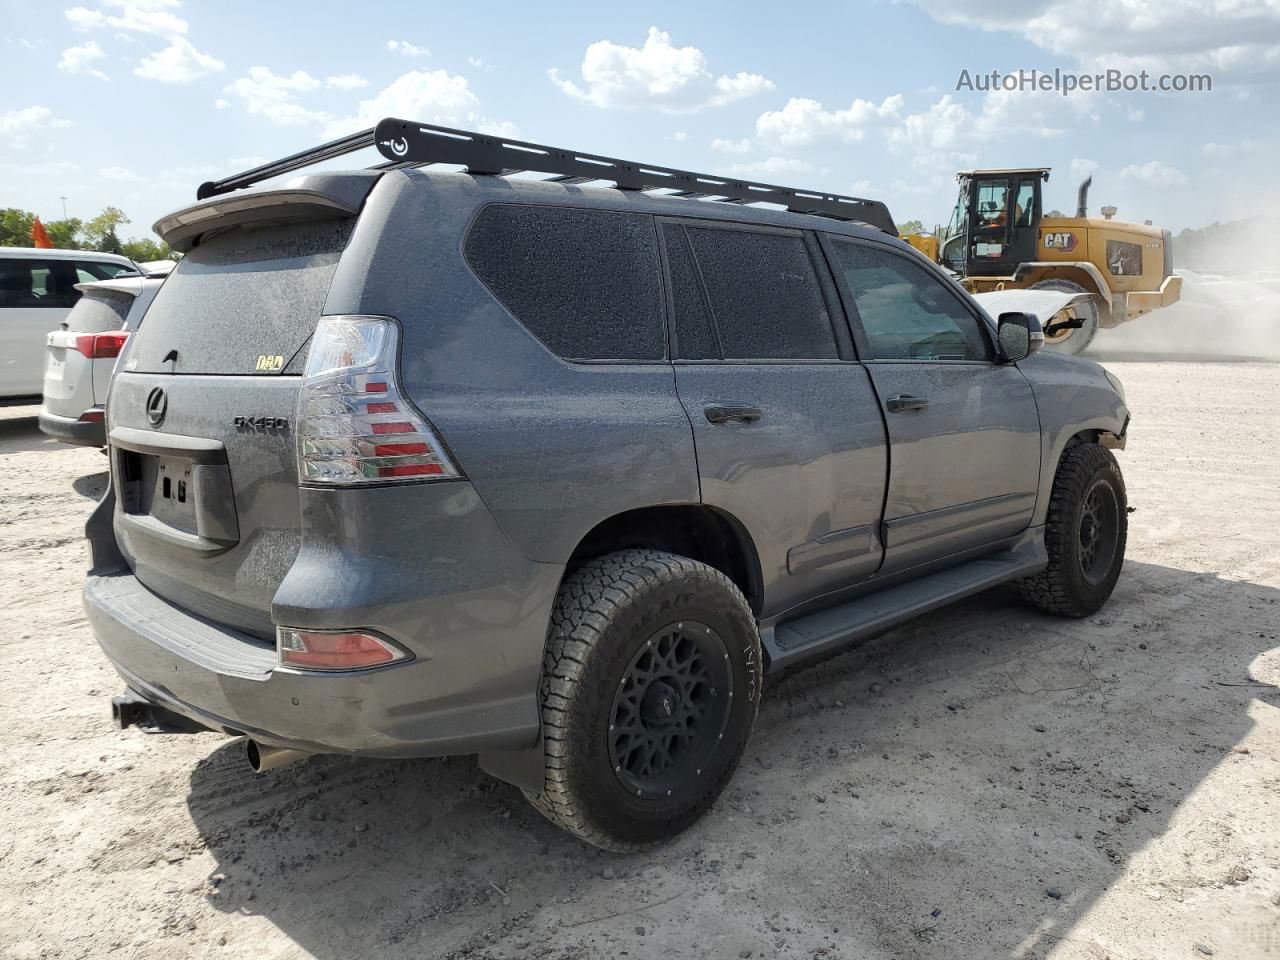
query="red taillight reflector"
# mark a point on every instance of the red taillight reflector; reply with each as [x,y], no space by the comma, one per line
[375,386]
[91,416]
[412,470]
[396,426]
[315,650]
[397,449]
[100,346]
[382,408]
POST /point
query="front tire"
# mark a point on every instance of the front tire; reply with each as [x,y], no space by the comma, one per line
[1085,535]
[650,686]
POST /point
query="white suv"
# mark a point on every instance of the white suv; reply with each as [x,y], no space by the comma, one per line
[37,291]
[81,357]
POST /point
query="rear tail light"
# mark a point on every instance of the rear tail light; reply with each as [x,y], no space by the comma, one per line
[100,346]
[93,415]
[334,650]
[354,424]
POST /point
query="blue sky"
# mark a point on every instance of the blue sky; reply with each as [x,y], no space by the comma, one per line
[135,103]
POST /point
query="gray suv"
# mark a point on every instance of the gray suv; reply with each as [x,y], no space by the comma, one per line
[409,463]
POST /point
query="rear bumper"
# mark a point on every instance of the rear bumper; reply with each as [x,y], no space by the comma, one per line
[230,682]
[1144,301]
[72,430]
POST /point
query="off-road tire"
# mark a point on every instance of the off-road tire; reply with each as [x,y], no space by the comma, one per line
[1079,340]
[1063,587]
[605,614]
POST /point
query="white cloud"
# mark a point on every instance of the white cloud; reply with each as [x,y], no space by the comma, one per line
[118,175]
[1155,173]
[659,75]
[1220,36]
[480,64]
[270,95]
[179,62]
[139,16]
[771,166]
[221,104]
[738,147]
[346,81]
[80,60]
[804,121]
[680,136]
[17,126]
[1224,150]
[407,49]
[1081,168]
[432,96]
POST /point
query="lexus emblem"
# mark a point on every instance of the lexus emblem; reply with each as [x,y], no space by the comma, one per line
[157,406]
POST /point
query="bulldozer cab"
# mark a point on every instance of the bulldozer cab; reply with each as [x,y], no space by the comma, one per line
[996,221]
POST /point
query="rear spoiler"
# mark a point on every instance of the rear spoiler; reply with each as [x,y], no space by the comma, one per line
[319,197]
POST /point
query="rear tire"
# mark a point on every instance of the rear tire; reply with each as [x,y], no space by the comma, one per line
[650,686]
[1085,535]
[1078,340]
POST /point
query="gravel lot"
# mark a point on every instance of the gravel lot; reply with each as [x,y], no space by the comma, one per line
[985,783]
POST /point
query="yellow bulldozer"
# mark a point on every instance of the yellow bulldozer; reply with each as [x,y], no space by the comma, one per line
[999,239]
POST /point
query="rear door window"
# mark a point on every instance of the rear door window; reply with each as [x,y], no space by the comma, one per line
[746,295]
[242,302]
[90,270]
[37,283]
[584,282]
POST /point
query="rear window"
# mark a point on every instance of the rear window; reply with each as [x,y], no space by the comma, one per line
[584,282]
[100,310]
[240,298]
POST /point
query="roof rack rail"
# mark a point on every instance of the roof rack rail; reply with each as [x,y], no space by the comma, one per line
[407,144]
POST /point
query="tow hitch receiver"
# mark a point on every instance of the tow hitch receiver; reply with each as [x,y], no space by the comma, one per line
[131,710]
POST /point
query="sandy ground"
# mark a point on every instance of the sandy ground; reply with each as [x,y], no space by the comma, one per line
[985,783]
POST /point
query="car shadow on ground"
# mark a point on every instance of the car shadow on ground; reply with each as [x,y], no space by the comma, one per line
[363,858]
[91,486]
[20,433]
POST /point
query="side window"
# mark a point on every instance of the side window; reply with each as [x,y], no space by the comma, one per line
[755,293]
[90,270]
[584,282]
[1024,204]
[37,283]
[906,312]
[695,331]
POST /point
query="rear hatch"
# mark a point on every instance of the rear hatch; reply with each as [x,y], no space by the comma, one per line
[70,353]
[200,417]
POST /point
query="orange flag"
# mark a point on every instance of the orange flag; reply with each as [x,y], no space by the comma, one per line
[39,236]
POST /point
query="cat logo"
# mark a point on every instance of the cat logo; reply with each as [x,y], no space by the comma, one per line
[269,364]
[1066,242]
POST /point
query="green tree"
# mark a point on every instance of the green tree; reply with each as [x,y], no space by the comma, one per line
[145,249]
[65,234]
[910,226]
[100,232]
[15,227]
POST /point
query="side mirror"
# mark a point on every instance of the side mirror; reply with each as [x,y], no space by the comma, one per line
[1020,335]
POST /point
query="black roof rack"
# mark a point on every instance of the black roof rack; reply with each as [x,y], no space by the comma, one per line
[408,144]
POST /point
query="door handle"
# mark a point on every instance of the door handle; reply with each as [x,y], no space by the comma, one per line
[904,401]
[731,413]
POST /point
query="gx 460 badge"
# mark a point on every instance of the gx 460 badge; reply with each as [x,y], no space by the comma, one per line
[270,363]
[279,424]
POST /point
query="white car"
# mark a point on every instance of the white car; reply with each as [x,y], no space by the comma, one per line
[37,291]
[81,358]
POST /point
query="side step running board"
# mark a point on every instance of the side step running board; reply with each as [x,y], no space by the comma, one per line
[818,634]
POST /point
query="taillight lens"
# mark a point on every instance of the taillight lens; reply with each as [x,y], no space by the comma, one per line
[334,649]
[100,346]
[354,425]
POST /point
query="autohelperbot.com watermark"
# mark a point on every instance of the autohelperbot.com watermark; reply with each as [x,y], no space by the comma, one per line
[1067,82]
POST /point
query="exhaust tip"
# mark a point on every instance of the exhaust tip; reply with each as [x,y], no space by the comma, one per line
[263,758]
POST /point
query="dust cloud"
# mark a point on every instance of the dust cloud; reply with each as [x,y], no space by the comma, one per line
[1221,316]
